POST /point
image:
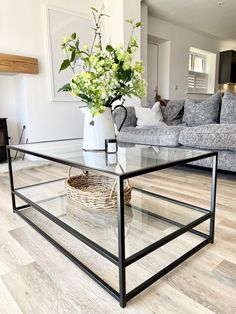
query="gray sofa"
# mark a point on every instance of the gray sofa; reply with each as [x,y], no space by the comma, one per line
[205,125]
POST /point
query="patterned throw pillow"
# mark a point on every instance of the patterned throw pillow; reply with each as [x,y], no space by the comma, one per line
[204,112]
[173,111]
[228,109]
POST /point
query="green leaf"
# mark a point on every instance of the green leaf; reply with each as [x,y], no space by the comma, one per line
[84,97]
[103,14]
[86,61]
[109,48]
[138,24]
[65,88]
[72,56]
[94,9]
[73,36]
[65,64]
[126,75]
[129,21]
[77,43]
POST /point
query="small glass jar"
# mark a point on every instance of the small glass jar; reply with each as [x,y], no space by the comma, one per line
[111,146]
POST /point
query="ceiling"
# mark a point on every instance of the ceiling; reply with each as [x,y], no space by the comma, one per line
[212,17]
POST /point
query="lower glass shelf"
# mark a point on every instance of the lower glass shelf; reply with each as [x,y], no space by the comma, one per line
[144,223]
[136,274]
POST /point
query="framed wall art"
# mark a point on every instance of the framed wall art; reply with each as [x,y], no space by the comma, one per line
[62,23]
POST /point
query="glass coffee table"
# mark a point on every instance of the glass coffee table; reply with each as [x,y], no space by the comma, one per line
[129,233]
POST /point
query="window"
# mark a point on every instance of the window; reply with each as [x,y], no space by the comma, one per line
[197,76]
[197,63]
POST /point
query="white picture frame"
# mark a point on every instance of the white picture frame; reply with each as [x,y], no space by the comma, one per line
[62,23]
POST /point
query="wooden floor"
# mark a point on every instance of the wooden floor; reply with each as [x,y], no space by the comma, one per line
[36,278]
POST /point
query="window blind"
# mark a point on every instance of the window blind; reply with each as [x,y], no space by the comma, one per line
[197,82]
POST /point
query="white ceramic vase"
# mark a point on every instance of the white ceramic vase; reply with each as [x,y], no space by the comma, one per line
[97,129]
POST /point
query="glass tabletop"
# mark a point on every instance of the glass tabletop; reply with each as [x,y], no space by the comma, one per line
[128,159]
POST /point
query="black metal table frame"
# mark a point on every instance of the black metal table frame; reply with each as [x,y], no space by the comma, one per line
[121,262]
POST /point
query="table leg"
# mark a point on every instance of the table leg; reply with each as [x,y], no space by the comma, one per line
[121,241]
[213,197]
[13,199]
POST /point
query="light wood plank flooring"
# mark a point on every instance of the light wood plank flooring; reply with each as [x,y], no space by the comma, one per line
[36,278]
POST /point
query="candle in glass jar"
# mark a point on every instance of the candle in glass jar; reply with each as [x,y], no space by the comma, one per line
[111,146]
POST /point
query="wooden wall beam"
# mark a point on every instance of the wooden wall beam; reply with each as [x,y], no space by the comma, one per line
[18,64]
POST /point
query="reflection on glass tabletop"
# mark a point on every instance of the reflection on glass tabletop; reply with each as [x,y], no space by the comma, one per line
[129,157]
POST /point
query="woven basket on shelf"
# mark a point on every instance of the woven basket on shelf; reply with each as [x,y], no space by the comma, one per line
[95,191]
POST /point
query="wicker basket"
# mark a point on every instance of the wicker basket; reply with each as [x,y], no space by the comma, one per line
[95,191]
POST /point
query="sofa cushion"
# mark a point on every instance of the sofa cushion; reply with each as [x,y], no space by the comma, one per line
[161,135]
[176,122]
[119,114]
[226,161]
[228,108]
[173,112]
[205,112]
[211,136]
[148,117]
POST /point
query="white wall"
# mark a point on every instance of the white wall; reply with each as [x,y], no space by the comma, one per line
[132,10]
[113,28]
[8,105]
[228,45]
[119,31]
[21,100]
[144,43]
[181,40]
[152,72]
[164,70]
[23,32]
[144,37]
